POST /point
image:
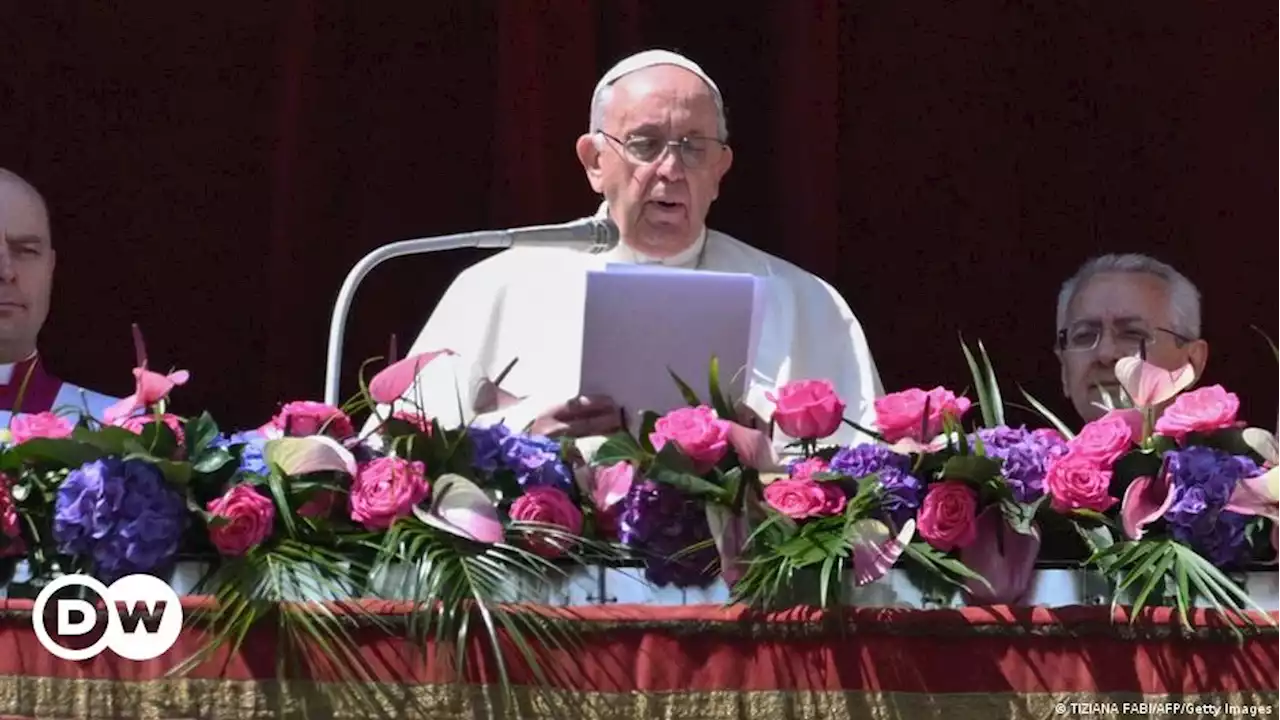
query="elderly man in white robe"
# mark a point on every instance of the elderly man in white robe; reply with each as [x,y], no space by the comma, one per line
[656,150]
[26,282]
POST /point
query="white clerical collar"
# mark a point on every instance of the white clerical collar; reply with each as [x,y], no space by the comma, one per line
[6,369]
[688,258]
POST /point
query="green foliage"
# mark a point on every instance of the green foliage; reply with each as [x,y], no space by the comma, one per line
[985,386]
[1158,570]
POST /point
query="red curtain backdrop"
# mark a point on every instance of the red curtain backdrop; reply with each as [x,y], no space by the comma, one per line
[214,171]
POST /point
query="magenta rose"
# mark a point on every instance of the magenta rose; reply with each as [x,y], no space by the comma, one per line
[900,415]
[386,489]
[304,417]
[700,435]
[1076,482]
[807,409]
[250,519]
[10,523]
[947,515]
[1199,411]
[39,425]
[1103,441]
[800,499]
[549,506]
[805,469]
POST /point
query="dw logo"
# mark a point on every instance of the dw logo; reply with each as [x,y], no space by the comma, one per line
[144,617]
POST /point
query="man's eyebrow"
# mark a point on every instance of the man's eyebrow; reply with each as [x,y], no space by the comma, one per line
[25,239]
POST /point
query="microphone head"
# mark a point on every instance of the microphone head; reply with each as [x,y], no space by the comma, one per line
[607,235]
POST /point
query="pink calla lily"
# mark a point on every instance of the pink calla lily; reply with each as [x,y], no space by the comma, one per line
[730,531]
[876,549]
[394,380]
[754,449]
[610,484]
[1258,495]
[1145,500]
[313,453]
[460,507]
[1151,385]
[1004,557]
[149,387]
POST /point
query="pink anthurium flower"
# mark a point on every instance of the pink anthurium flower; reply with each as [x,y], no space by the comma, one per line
[1005,558]
[149,387]
[1259,495]
[313,453]
[394,380]
[1145,500]
[1150,385]
[876,549]
[460,507]
[754,449]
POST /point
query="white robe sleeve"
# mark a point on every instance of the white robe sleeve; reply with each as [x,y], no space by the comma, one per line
[449,388]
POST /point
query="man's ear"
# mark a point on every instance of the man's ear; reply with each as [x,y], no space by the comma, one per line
[589,156]
[1198,356]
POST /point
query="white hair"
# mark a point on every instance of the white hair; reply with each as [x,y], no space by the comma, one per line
[600,99]
[1183,295]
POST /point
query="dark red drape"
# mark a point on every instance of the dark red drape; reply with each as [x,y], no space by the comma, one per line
[214,171]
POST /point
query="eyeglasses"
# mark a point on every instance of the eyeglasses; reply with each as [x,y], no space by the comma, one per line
[1129,339]
[644,149]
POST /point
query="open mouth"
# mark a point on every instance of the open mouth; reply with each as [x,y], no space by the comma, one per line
[666,204]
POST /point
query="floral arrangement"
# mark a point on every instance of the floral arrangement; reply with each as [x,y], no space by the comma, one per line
[303,508]
[1187,487]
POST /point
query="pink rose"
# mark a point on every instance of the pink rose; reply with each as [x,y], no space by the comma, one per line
[1204,410]
[807,409]
[1076,482]
[250,519]
[947,515]
[805,469]
[548,506]
[319,505]
[303,417]
[10,523]
[385,489]
[136,423]
[39,425]
[700,435]
[800,499]
[900,415]
[1103,441]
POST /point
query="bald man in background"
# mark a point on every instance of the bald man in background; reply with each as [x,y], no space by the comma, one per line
[27,260]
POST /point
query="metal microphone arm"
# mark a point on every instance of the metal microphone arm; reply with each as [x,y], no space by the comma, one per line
[593,235]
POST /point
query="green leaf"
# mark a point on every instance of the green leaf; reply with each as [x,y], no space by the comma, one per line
[63,452]
[648,421]
[813,547]
[275,482]
[1021,515]
[200,433]
[687,392]
[618,448]
[1093,515]
[994,396]
[971,467]
[692,484]
[670,458]
[1047,414]
[177,473]
[989,413]
[213,461]
[719,402]
[113,440]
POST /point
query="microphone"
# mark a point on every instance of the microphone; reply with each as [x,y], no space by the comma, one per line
[592,234]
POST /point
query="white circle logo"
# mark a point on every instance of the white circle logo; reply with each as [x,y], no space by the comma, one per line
[144,617]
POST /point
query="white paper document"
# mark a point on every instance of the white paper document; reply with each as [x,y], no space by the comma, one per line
[641,321]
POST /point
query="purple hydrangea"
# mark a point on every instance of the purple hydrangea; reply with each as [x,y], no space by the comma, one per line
[903,491]
[1023,456]
[486,446]
[1203,480]
[251,444]
[122,514]
[661,522]
[536,462]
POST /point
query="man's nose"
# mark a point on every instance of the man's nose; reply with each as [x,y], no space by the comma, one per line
[671,164]
[7,271]
[1108,351]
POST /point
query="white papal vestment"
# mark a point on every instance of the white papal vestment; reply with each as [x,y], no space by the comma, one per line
[527,304]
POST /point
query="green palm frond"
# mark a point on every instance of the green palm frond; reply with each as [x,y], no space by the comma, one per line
[459,587]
